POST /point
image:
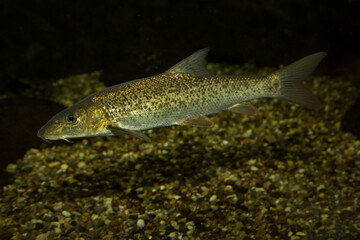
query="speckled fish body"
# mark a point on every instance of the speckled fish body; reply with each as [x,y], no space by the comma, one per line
[183,95]
[169,99]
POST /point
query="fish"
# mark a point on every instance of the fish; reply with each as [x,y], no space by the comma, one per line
[183,95]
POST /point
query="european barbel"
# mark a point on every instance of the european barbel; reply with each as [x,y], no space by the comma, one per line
[183,95]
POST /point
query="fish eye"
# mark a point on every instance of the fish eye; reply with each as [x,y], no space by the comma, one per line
[71,118]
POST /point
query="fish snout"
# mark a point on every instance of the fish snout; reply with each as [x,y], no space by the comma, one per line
[41,134]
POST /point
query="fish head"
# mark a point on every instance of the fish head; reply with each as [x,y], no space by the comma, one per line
[79,120]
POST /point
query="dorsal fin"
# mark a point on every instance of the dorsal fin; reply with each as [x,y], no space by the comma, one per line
[194,64]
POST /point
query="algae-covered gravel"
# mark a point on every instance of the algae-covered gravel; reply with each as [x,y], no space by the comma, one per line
[286,173]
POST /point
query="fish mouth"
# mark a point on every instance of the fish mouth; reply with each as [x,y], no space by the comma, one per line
[40,135]
[48,137]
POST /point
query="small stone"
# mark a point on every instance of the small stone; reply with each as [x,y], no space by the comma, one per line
[172,235]
[175,225]
[25,236]
[260,190]
[324,217]
[248,133]
[63,168]
[190,225]
[320,187]
[301,234]
[140,223]
[228,188]
[54,164]
[213,198]
[254,169]
[66,213]
[177,197]
[251,162]
[81,164]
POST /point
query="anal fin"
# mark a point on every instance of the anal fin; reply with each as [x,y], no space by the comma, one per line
[118,131]
[197,122]
[244,108]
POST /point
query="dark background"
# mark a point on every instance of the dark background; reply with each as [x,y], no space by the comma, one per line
[43,40]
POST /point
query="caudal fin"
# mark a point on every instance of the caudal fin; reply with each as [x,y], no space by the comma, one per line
[291,77]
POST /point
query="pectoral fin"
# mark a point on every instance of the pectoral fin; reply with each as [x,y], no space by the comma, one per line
[118,131]
[244,108]
[197,122]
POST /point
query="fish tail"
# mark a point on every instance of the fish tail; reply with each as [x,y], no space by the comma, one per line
[291,76]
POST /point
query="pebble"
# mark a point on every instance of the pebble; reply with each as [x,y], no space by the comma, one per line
[213,198]
[140,223]
[81,164]
[248,133]
[66,213]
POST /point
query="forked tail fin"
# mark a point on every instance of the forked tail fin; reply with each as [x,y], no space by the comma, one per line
[291,77]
